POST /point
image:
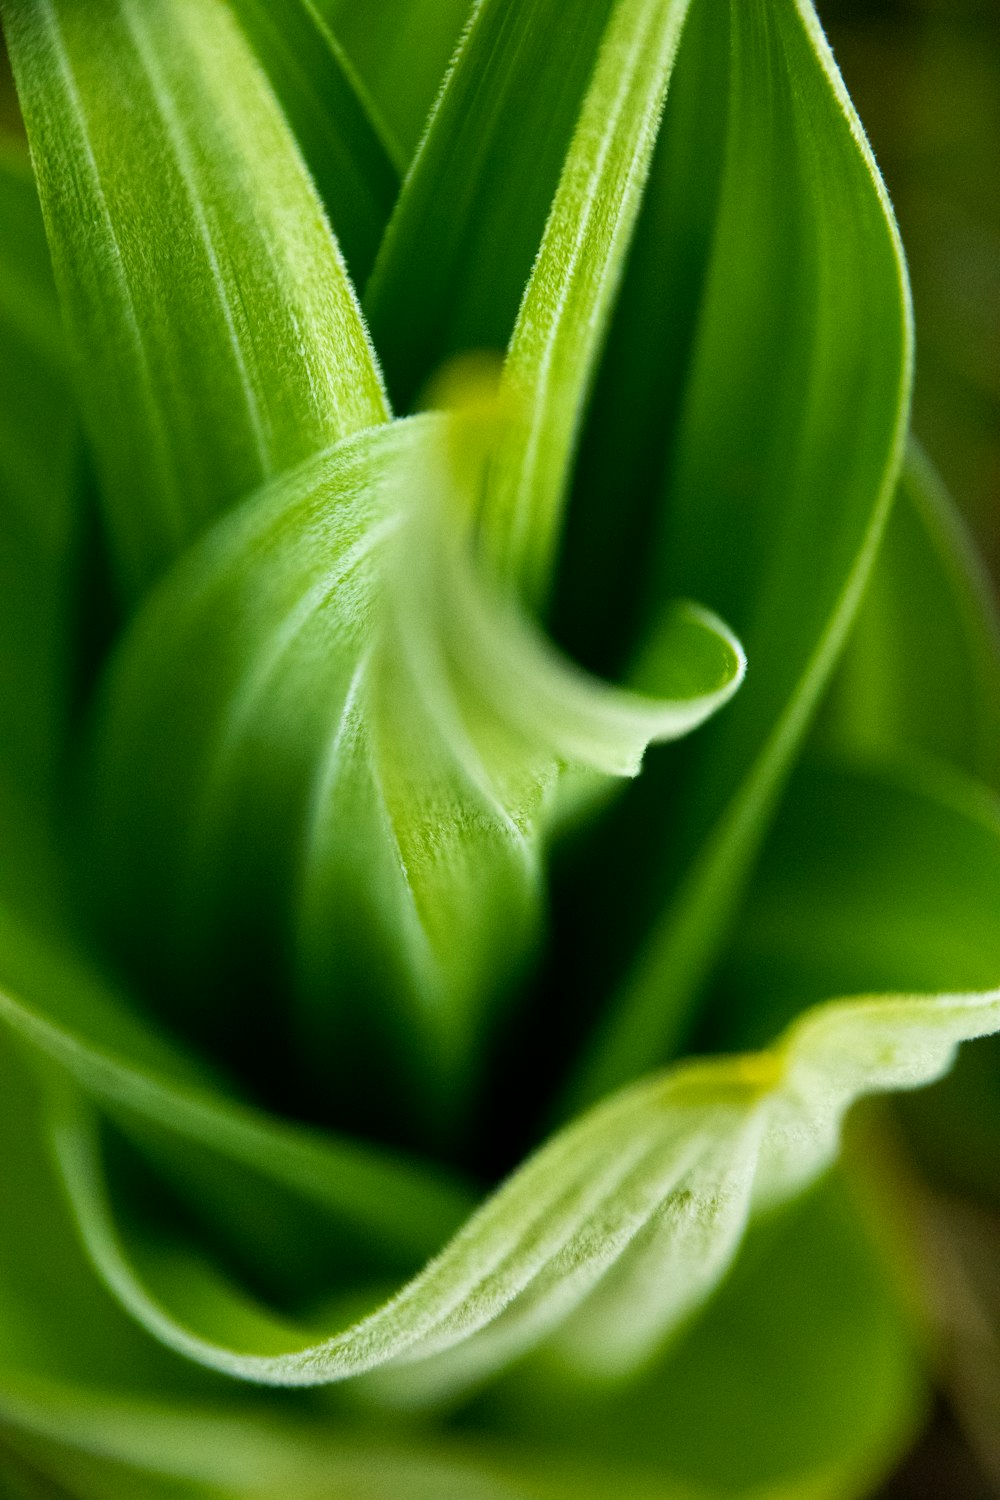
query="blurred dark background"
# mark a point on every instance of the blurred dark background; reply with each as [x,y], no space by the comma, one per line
[925,75]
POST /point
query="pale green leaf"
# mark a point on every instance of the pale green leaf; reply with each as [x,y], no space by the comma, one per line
[771,478]
[635,1212]
[216,335]
[801,1375]
[340,742]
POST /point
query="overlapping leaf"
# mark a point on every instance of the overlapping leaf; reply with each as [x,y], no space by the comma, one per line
[484,177]
[634,1212]
[801,1375]
[401,52]
[326,750]
[922,670]
[570,293]
[335,124]
[761,484]
[357,767]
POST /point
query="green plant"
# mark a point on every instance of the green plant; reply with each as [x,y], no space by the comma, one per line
[317,849]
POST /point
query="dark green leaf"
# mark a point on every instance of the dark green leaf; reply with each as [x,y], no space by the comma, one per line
[777,481]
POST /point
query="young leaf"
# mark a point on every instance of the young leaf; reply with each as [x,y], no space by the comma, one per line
[800,1377]
[216,335]
[339,742]
[802,355]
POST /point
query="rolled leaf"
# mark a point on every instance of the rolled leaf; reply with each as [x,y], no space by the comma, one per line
[341,744]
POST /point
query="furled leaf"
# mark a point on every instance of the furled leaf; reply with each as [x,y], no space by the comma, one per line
[635,1212]
[131,1413]
[770,469]
[339,743]
[215,332]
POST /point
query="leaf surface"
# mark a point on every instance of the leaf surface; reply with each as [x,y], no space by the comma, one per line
[460,245]
[800,1375]
[401,50]
[39,525]
[70,1017]
[569,295]
[216,335]
[876,875]
[334,122]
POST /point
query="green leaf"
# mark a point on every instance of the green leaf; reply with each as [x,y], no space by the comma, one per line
[776,481]
[217,1150]
[56,1321]
[333,121]
[569,295]
[37,461]
[885,876]
[611,1234]
[216,335]
[401,50]
[801,1376]
[922,669]
[879,873]
[484,177]
[38,541]
[340,742]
